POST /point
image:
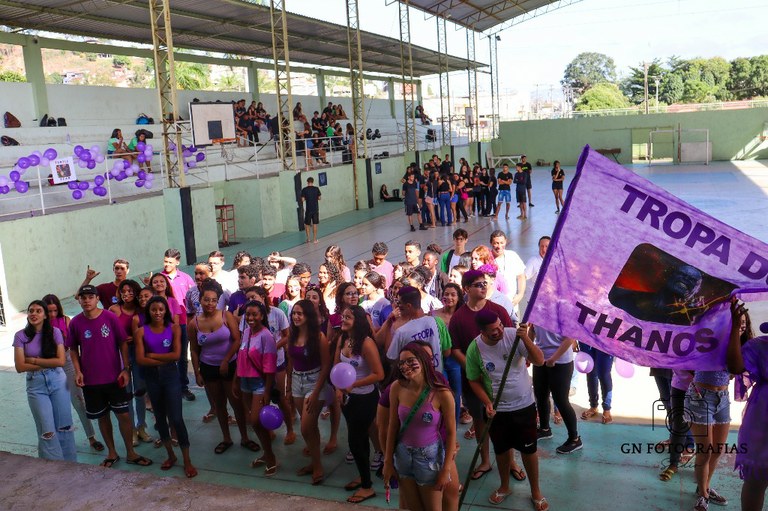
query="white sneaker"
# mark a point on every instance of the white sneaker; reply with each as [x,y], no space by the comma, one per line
[349,458]
[377,461]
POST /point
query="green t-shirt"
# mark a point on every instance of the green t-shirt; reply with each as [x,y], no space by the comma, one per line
[132,144]
[486,363]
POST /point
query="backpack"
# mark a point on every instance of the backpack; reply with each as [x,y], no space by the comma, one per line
[147,134]
[44,121]
[10,121]
[52,122]
[144,119]
[62,121]
[8,141]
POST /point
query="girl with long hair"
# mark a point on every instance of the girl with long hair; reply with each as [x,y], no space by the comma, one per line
[416,454]
[256,363]
[328,280]
[158,348]
[374,300]
[291,296]
[333,255]
[356,347]
[38,350]
[61,321]
[309,363]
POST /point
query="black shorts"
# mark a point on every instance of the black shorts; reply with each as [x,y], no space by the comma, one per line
[514,430]
[211,373]
[411,209]
[557,185]
[311,218]
[100,399]
[521,196]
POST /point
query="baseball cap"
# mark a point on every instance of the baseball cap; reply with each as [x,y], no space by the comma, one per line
[87,290]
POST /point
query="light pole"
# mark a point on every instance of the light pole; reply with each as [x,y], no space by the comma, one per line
[657,80]
[645,85]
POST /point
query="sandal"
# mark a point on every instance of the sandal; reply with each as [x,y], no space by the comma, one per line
[498,497]
[667,473]
[478,473]
[208,417]
[97,446]
[270,471]
[108,462]
[251,446]
[140,461]
[470,433]
[607,418]
[589,413]
[517,475]
[158,443]
[541,504]
[290,438]
[168,464]
[558,419]
[190,471]
[222,447]
[357,499]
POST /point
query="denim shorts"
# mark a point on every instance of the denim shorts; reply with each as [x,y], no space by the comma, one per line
[252,384]
[504,196]
[303,384]
[707,407]
[420,463]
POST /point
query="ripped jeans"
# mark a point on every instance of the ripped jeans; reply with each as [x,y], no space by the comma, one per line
[50,405]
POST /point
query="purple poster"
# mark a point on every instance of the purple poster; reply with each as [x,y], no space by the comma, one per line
[638,273]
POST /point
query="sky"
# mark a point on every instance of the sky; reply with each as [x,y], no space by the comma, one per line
[538,50]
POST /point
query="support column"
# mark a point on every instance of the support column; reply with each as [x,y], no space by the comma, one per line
[253,80]
[493,43]
[354,50]
[391,94]
[406,72]
[282,63]
[320,81]
[472,86]
[35,73]
[445,90]
[165,78]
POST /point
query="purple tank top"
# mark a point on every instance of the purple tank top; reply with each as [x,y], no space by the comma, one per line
[301,360]
[214,345]
[424,428]
[126,321]
[158,343]
[714,378]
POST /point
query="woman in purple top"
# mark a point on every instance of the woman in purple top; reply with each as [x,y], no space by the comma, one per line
[214,341]
[61,321]
[38,350]
[309,363]
[162,287]
[158,347]
[747,358]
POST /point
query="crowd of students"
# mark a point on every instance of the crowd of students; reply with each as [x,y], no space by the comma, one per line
[429,339]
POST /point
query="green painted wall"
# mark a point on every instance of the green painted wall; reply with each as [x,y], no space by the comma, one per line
[735,134]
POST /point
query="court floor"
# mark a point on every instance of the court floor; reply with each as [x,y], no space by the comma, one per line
[601,476]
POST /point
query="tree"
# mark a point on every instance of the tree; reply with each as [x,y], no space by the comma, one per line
[587,70]
[12,76]
[602,96]
[231,82]
[671,88]
[55,77]
[193,76]
[120,61]
[759,76]
[740,79]
[634,85]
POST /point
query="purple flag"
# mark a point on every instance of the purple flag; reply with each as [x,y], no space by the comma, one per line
[636,272]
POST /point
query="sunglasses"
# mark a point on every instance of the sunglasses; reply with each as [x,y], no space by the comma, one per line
[480,285]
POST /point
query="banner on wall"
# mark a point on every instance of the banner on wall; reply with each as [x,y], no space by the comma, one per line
[640,274]
[63,170]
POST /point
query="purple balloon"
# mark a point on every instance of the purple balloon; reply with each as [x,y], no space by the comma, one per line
[34,160]
[85,154]
[21,186]
[44,161]
[98,180]
[100,191]
[114,172]
[78,149]
[139,183]
[4,189]
[141,175]
[186,153]
[23,163]
[77,195]
[82,164]
[271,417]
[149,148]
[94,149]
[3,181]
[584,362]
[141,158]
[14,175]
[149,177]
[83,185]
[50,153]
[126,164]
[148,185]
[122,175]
[343,375]
[141,146]
[91,164]
[624,368]
[192,164]
[200,156]
[192,149]
[100,158]
[171,146]
[72,185]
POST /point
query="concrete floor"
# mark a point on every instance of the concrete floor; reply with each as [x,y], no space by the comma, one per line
[600,477]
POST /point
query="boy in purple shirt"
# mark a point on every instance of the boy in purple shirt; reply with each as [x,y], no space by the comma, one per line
[102,369]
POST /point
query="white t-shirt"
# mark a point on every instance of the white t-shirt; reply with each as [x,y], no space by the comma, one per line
[501,299]
[510,266]
[488,362]
[533,266]
[374,308]
[419,329]
[430,303]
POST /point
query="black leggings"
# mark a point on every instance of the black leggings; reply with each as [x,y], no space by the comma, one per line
[360,412]
[556,380]
[460,210]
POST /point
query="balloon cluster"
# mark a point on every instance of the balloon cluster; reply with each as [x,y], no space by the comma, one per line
[88,158]
[584,363]
[123,169]
[14,179]
[191,155]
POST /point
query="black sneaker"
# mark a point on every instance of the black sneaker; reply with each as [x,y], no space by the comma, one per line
[543,434]
[531,204]
[413,228]
[188,395]
[423,227]
[570,446]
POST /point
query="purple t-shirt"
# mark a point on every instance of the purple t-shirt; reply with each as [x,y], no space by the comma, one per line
[34,347]
[181,283]
[161,343]
[98,343]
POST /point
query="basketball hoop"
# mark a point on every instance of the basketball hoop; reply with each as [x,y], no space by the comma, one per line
[222,141]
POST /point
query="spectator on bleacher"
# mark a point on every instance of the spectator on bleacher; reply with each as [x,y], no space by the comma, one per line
[349,135]
[338,135]
[327,111]
[141,136]
[261,113]
[118,147]
[298,114]
[324,122]
[318,148]
[340,114]
[421,114]
[317,123]
[241,123]
[302,137]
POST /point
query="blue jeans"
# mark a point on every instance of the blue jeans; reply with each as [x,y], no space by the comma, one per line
[602,374]
[452,371]
[137,406]
[444,201]
[164,389]
[419,463]
[50,405]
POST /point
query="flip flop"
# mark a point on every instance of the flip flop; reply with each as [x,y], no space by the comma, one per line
[498,497]
[517,475]
[477,474]
[140,461]
[222,447]
[469,434]
[541,504]
[190,472]
[108,462]
[357,499]
[251,446]
[97,446]
[270,471]
[168,464]
[588,414]
[208,417]
[354,485]
[607,419]
[667,473]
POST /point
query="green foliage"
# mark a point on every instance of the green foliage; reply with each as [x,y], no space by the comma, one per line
[602,96]
[55,78]
[634,85]
[587,70]
[12,76]
[671,88]
[193,76]
[121,61]
[231,82]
